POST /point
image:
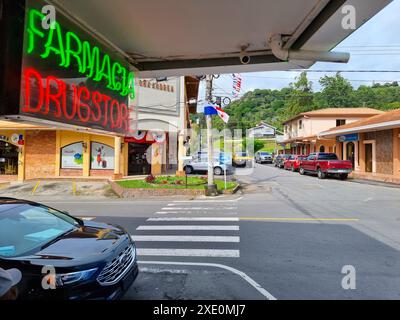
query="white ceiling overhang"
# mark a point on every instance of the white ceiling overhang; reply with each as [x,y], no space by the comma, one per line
[196,37]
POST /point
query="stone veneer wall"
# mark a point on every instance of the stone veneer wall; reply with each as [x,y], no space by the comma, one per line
[40,154]
[101,173]
[384,150]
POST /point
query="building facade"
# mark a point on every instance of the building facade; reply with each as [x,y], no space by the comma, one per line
[301,132]
[372,144]
[263,131]
[30,151]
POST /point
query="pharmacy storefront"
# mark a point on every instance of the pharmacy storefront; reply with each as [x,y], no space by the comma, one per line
[65,100]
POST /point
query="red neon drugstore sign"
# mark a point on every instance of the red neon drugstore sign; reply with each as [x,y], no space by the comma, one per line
[70,77]
[69,103]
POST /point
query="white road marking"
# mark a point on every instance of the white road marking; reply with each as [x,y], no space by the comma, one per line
[186,238]
[194,219]
[159,270]
[199,208]
[207,201]
[87,218]
[189,227]
[215,253]
[241,274]
[189,212]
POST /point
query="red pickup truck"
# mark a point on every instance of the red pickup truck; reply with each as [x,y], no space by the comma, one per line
[324,164]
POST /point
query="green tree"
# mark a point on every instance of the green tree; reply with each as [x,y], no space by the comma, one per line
[301,98]
[337,92]
[258,144]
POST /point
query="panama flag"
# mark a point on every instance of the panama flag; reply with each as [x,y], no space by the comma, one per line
[211,110]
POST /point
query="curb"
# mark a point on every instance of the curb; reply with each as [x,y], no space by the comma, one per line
[144,192]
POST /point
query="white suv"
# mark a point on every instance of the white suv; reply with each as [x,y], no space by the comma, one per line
[262,156]
[194,164]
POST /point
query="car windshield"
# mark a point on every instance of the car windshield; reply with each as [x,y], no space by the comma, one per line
[327,156]
[24,227]
[265,154]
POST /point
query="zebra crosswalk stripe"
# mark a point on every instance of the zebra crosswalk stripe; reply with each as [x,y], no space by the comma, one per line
[189,227]
[186,238]
[193,219]
[216,253]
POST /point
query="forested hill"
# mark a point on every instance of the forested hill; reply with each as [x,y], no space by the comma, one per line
[275,106]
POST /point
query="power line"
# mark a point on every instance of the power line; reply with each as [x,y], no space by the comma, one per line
[369,46]
[317,79]
[344,71]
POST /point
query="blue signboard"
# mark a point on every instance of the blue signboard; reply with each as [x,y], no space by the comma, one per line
[225,158]
[348,137]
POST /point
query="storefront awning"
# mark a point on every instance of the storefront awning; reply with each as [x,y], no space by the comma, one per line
[165,38]
[388,120]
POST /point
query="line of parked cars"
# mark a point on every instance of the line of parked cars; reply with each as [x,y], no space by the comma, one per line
[322,164]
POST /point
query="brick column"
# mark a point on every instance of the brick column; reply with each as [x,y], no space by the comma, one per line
[86,155]
[156,159]
[117,159]
[21,161]
[339,149]
[181,153]
[58,153]
[396,154]
[361,152]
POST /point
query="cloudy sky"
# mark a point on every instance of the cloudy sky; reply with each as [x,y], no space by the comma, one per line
[374,46]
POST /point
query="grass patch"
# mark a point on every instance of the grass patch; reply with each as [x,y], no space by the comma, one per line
[166,182]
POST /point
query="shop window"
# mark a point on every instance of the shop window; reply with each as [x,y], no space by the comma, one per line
[340,122]
[102,157]
[72,156]
[8,158]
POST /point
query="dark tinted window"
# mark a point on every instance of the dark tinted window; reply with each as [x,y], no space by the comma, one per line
[340,122]
[327,156]
[24,227]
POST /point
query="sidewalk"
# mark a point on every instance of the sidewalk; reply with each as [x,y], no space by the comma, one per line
[57,188]
[375,177]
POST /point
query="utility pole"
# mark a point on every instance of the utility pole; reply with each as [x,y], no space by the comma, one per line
[200,138]
[211,187]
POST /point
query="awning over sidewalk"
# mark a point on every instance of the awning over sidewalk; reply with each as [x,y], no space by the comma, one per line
[388,120]
[165,38]
[301,140]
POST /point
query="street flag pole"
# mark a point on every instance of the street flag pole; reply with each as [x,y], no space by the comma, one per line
[210,153]
[225,162]
[209,110]
[211,189]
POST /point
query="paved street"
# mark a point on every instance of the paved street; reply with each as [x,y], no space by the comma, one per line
[285,236]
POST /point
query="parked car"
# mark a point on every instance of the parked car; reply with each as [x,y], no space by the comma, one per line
[263,157]
[241,159]
[194,165]
[324,164]
[293,163]
[280,160]
[91,260]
